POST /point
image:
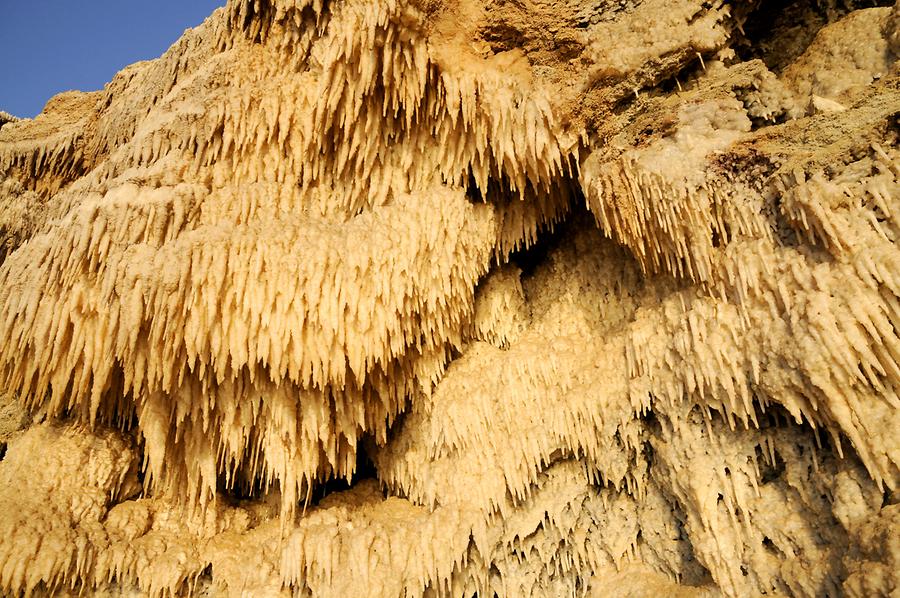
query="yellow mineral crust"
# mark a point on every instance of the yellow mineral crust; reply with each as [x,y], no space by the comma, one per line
[449,298]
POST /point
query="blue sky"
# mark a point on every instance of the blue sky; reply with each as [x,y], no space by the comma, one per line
[49,46]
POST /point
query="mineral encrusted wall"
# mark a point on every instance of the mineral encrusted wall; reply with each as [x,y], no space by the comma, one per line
[452,298]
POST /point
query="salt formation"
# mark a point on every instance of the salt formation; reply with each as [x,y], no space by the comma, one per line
[451,298]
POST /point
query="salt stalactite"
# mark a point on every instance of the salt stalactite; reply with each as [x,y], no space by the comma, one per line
[715,233]
[18,219]
[242,371]
[164,293]
[439,298]
[47,152]
[500,309]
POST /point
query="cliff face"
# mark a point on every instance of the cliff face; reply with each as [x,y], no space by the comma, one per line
[453,298]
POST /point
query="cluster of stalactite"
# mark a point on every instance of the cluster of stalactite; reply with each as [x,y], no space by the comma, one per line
[582,342]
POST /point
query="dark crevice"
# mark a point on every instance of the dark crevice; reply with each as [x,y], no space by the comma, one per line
[202,581]
[365,470]
[694,572]
[779,31]
[499,192]
[784,231]
[770,546]
[768,471]
[527,259]
[141,459]
[473,191]
[242,488]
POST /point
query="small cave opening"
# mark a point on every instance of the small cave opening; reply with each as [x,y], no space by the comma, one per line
[242,487]
[529,257]
[694,572]
[769,471]
[365,470]
[558,218]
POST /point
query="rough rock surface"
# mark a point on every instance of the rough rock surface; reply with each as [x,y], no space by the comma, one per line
[455,298]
